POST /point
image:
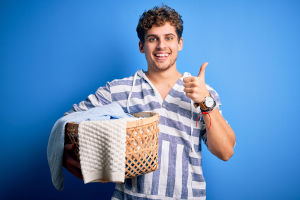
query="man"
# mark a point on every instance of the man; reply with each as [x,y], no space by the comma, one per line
[179,99]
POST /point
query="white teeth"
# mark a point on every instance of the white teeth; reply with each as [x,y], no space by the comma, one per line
[161,55]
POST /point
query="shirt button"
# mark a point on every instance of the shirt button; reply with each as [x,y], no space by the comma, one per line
[163,105]
[153,90]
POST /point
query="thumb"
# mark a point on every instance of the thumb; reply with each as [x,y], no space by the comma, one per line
[202,69]
[69,147]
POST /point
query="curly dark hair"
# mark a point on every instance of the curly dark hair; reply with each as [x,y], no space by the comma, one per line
[159,16]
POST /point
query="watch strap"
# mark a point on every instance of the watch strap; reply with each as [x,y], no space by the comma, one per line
[210,109]
[202,104]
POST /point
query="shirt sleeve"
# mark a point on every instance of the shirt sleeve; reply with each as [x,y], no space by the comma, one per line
[102,97]
[203,133]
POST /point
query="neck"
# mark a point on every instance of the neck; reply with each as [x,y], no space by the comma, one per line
[168,76]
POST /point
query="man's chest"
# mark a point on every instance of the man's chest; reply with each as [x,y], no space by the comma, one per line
[163,91]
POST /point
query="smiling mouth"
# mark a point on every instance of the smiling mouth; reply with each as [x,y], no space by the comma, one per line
[161,56]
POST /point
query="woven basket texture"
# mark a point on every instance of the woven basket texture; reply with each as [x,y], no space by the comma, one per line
[141,144]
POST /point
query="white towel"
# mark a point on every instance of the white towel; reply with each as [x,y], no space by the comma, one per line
[102,150]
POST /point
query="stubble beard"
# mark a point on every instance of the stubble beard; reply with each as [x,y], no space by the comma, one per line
[166,68]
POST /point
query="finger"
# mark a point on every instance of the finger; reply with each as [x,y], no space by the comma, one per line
[188,90]
[188,79]
[72,162]
[202,70]
[75,171]
[69,147]
[69,159]
[189,95]
[190,85]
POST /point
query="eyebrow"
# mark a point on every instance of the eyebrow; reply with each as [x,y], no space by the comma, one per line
[164,35]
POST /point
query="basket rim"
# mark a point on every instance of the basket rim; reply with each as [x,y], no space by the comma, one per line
[154,116]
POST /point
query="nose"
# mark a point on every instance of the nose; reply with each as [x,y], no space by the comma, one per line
[161,44]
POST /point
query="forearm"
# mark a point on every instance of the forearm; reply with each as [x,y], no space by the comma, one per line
[220,136]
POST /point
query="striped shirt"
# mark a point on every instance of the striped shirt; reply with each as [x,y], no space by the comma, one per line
[179,175]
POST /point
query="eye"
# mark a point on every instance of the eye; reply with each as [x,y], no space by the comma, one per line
[169,38]
[152,39]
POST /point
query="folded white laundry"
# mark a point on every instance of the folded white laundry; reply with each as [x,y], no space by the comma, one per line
[102,150]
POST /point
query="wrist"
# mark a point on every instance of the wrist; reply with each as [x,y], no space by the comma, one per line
[207,112]
[210,109]
[207,104]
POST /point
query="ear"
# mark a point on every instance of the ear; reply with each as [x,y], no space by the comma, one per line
[180,44]
[141,47]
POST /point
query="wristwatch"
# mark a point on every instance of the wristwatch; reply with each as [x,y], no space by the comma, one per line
[207,104]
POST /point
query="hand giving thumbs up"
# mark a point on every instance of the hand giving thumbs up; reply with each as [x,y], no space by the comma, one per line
[194,87]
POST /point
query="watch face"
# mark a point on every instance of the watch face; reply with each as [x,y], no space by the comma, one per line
[209,102]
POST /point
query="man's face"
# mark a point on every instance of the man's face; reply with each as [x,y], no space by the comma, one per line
[161,47]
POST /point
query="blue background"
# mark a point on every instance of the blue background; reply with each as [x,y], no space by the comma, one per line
[55,53]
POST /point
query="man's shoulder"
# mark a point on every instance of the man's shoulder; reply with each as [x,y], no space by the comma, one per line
[127,81]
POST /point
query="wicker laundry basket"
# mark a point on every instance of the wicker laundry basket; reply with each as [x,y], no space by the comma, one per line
[141,143]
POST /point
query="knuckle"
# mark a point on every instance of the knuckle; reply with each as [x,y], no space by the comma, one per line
[68,147]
